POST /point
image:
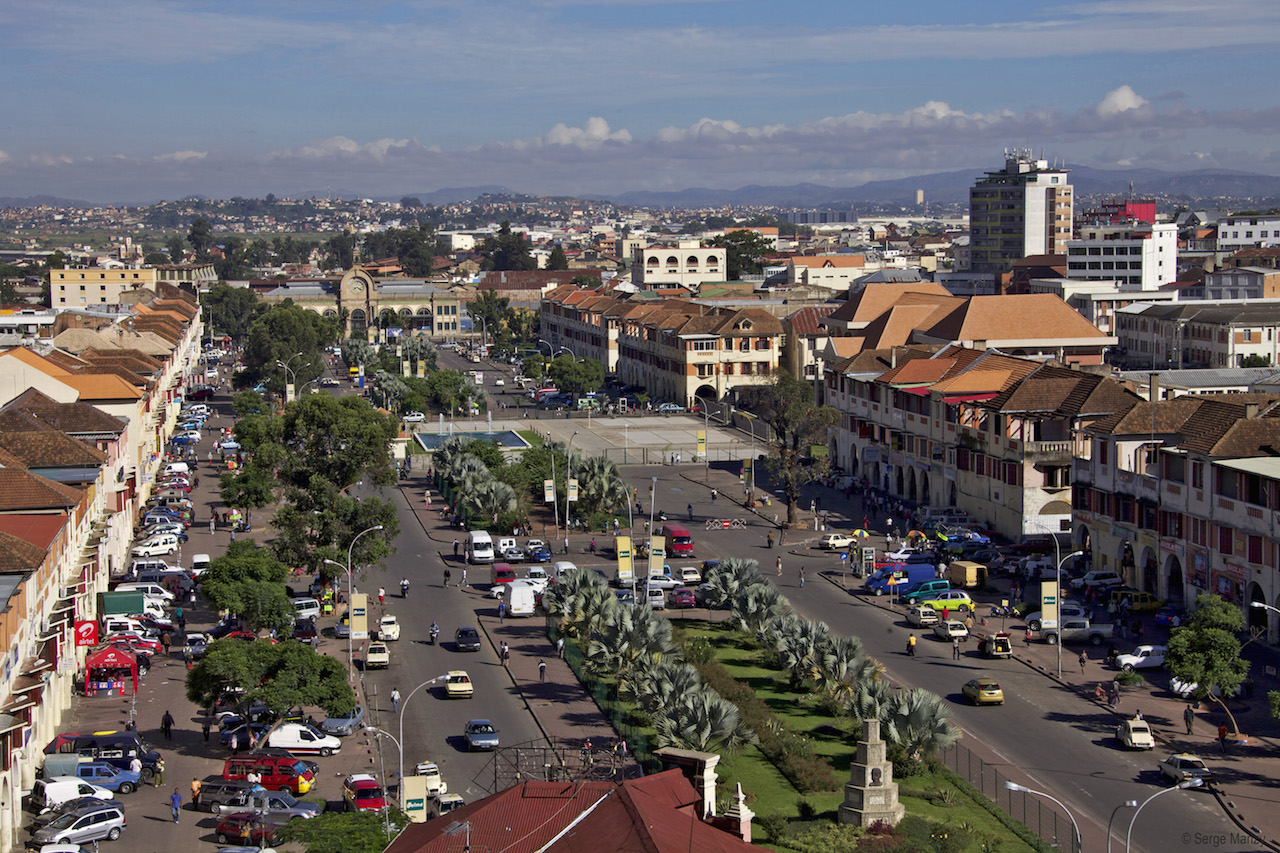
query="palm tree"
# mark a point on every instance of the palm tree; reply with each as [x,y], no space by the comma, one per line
[920,722]
[756,604]
[449,450]
[666,683]
[629,644]
[872,700]
[726,579]
[799,643]
[599,487]
[843,665]
[491,498]
[581,599]
[702,721]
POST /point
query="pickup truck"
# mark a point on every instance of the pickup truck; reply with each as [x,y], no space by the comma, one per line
[269,803]
[1076,631]
[98,773]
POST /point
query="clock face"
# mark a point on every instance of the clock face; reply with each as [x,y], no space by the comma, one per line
[357,286]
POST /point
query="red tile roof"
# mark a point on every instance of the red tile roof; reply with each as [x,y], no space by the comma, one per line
[21,490]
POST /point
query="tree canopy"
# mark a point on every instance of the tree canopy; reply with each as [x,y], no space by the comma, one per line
[280,675]
[557,260]
[1206,652]
[249,582]
[232,310]
[289,335]
[744,251]
[797,423]
[507,250]
[576,375]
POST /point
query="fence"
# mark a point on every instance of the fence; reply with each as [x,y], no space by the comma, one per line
[1041,816]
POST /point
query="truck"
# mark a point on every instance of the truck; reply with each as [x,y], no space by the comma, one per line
[121,603]
[906,574]
[1076,631]
[521,598]
[966,574]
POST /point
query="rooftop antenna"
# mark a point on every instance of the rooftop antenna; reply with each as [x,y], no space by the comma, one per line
[455,827]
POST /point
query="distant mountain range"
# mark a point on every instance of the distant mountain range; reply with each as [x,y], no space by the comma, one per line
[953,188]
[39,200]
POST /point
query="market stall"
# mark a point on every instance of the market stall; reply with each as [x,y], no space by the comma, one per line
[109,672]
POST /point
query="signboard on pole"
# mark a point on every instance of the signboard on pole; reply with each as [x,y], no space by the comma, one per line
[622,544]
[548,491]
[657,554]
[86,633]
[868,560]
[413,797]
[702,442]
[359,616]
[573,488]
[1048,604]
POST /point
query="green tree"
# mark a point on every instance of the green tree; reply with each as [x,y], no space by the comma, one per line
[154,259]
[534,365]
[233,310]
[291,336]
[280,675]
[507,250]
[340,252]
[744,252]
[702,721]
[489,307]
[576,375]
[1205,651]
[797,423]
[345,832]
[201,237]
[411,201]
[250,583]
[1256,360]
[176,248]
[557,260]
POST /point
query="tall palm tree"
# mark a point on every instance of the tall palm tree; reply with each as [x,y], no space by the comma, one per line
[491,498]
[872,700]
[598,485]
[449,450]
[630,643]
[726,579]
[844,664]
[581,600]
[756,604]
[799,643]
[920,722]
[702,721]
[666,683]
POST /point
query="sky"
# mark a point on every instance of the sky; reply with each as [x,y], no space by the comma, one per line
[136,101]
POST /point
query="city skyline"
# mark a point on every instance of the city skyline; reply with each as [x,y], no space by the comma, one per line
[145,100]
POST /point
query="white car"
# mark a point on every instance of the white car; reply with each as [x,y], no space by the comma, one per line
[690,575]
[657,598]
[301,738]
[414,418]
[922,617]
[1143,657]
[388,629]
[835,541]
[1135,734]
[435,784]
[662,582]
[499,382]
[951,630]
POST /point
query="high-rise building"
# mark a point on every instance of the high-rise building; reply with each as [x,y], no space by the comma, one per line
[1023,210]
[1136,255]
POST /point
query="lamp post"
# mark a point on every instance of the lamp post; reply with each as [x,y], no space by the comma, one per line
[1195,782]
[1014,786]
[1127,804]
[630,523]
[706,447]
[751,422]
[564,348]
[351,670]
[289,372]
[1262,605]
[568,475]
[1058,598]
[626,441]
[653,499]
[399,741]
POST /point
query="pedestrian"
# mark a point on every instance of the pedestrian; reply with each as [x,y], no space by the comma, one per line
[382,595]
[175,804]
[802,577]
[714,494]
[211,524]
[463,582]
[206,726]
[395,700]
[195,791]
[946,613]
[779,566]
[622,747]
[197,481]
[166,726]
[1189,717]
[135,766]
[158,779]
[506,655]
[502,612]
[560,647]
[955,648]
[1026,638]
[455,547]
[1084,659]
[690,509]
[166,641]
[1222,737]
[542,670]
[447,576]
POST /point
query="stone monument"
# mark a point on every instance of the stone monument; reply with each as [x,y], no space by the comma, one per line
[871,795]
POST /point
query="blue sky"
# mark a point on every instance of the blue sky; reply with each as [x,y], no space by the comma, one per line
[139,100]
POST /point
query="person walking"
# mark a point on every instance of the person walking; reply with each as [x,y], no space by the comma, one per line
[779,566]
[502,653]
[166,641]
[542,670]
[1084,659]
[395,700]
[463,582]
[560,647]
[195,792]
[714,494]
[455,547]
[802,577]
[955,648]
[1189,717]
[1026,638]
[211,524]
[1222,737]
[206,726]
[502,612]
[175,804]
[690,509]
[382,595]
[166,726]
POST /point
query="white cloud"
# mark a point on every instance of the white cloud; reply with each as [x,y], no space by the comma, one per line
[594,133]
[182,156]
[4,157]
[1120,100]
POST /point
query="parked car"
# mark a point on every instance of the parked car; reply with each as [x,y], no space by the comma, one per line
[302,738]
[983,691]
[344,724]
[656,598]
[268,803]
[669,408]
[1143,657]
[1135,734]
[537,551]
[247,827]
[835,541]
[951,599]
[388,628]
[480,734]
[377,656]
[682,597]
[466,640]
[435,783]
[414,418]
[89,823]
[690,575]
[1097,578]
[921,616]
[1076,631]
[624,596]
[362,793]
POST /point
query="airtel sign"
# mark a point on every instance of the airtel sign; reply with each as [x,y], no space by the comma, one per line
[87,633]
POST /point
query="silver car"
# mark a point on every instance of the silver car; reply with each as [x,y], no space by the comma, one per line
[82,825]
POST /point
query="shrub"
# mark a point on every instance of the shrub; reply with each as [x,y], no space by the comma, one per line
[775,825]
[698,651]
[805,808]
[1131,679]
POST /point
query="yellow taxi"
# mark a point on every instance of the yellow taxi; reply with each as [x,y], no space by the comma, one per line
[458,685]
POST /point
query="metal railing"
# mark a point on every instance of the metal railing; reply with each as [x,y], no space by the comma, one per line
[1039,815]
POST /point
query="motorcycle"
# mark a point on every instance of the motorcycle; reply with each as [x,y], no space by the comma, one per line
[435,632]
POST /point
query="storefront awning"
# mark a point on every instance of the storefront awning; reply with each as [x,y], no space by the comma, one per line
[968,398]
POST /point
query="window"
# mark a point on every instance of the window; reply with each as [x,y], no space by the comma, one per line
[703,346]
[1225,537]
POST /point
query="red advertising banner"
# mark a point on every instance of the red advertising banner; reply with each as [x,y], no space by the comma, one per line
[87,633]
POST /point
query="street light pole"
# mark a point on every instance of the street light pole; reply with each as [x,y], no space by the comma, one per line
[568,475]
[630,524]
[399,742]
[1195,782]
[289,372]
[706,446]
[1079,839]
[348,568]
[1058,599]
[1127,804]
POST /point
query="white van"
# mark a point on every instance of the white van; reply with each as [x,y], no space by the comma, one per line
[150,590]
[174,579]
[176,468]
[521,598]
[560,567]
[49,793]
[157,546]
[479,548]
[308,608]
[200,564]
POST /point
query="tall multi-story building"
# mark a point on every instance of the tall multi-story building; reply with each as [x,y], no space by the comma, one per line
[1135,255]
[686,264]
[82,286]
[1025,209]
[1239,232]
